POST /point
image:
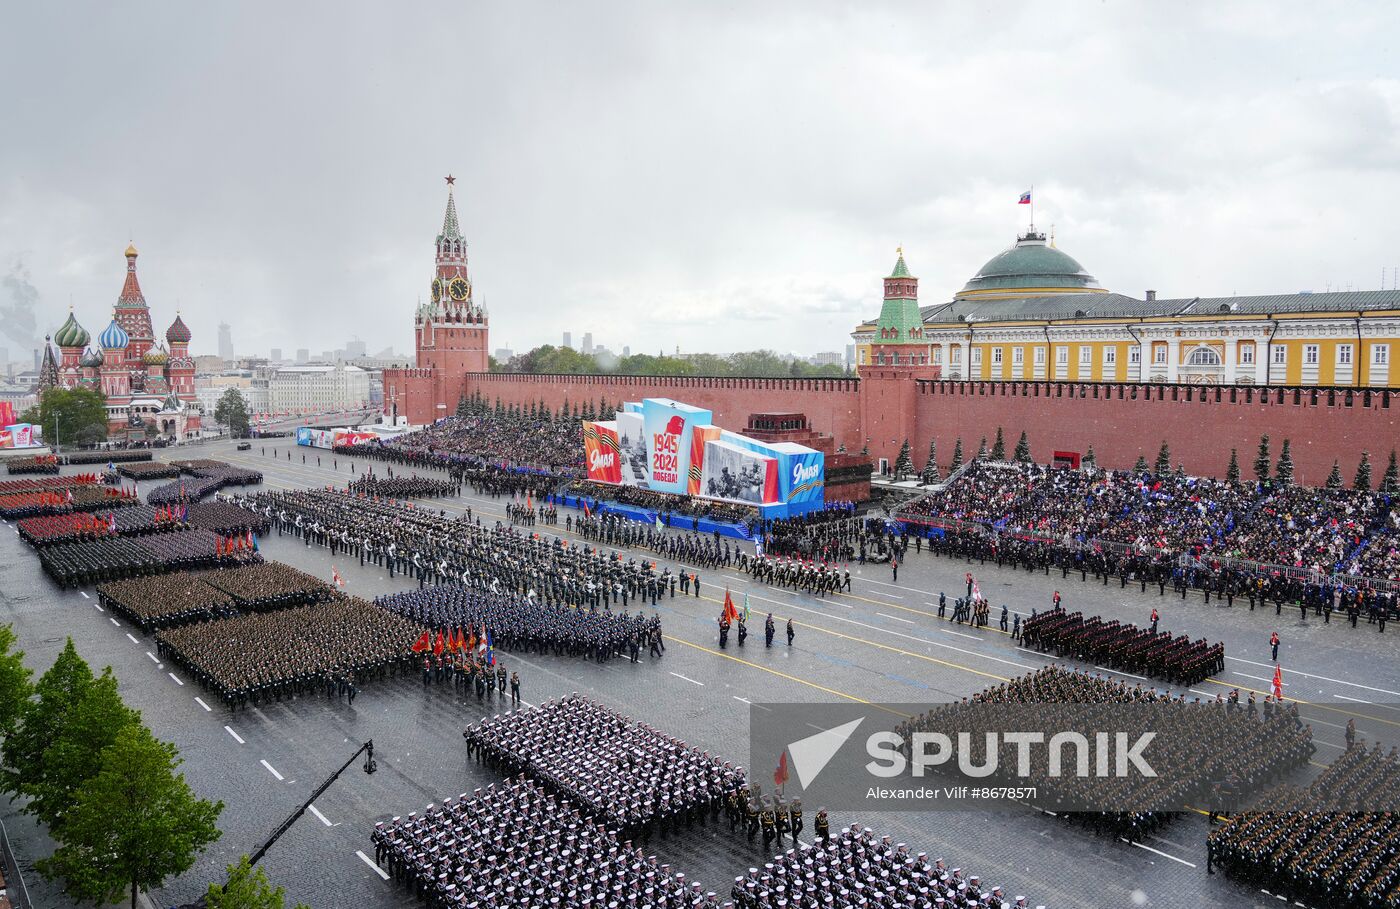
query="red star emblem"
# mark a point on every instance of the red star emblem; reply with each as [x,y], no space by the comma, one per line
[451,179]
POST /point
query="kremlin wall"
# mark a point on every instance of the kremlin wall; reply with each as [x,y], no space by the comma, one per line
[1203,381]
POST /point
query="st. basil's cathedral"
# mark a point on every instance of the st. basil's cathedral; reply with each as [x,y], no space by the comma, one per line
[146,384]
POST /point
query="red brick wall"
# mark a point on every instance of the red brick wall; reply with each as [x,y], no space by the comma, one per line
[832,406]
[1199,430]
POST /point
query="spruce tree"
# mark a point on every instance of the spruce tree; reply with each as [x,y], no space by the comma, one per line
[930,474]
[1334,479]
[1141,465]
[982,448]
[957,456]
[462,409]
[1089,461]
[1232,473]
[1023,449]
[1180,471]
[1283,471]
[1363,472]
[903,462]
[1164,460]
[1390,480]
[999,447]
[1261,460]
[865,450]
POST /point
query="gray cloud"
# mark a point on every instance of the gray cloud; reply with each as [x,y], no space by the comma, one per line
[660,174]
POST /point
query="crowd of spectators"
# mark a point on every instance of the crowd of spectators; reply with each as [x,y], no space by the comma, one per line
[1278,525]
[674,510]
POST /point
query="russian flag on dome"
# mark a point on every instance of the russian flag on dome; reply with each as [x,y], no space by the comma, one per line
[1025,198]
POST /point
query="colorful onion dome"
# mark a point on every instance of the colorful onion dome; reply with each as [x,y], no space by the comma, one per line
[131,250]
[71,334]
[91,359]
[156,356]
[114,337]
[178,332]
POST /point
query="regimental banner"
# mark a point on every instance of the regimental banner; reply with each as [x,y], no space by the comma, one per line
[669,427]
[602,453]
[7,413]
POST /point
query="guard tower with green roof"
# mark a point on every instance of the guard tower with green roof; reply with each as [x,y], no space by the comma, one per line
[900,321]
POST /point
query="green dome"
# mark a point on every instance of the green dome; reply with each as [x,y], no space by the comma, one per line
[1030,268]
[71,334]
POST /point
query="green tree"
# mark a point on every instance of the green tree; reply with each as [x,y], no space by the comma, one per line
[1141,465]
[957,456]
[1390,480]
[1363,472]
[70,416]
[15,687]
[135,824]
[982,448]
[247,888]
[865,450]
[1023,449]
[1334,479]
[463,408]
[1261,460]
[930,473]
[73,755]
[1089,461]
[903,462]
[65,683]
[1164,460]
[1283,471]
[232,411]
[1232,473]
[999,447]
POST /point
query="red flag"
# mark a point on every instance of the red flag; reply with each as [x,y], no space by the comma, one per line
[438,645]
[421,644]
[471,643]
[730,612]
[335,576]
[1278,682]
[780,776]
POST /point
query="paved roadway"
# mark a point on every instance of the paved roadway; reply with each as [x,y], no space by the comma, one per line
[882,643]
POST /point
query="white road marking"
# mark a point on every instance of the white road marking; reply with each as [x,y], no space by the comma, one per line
[1258,679]
[691,681]
[176,678]
[153,657]
[1161,853]
[84,593]
[98,607]
[1121,672]
[236,737]
[132,639]
[1355,700]
[114,621]
[895,617]
[271,769]
[974,638]
[1309,675]
[323,819]
[377,870]
[201,703]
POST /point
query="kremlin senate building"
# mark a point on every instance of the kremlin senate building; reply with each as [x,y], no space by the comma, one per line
[145,383]
[1033,312]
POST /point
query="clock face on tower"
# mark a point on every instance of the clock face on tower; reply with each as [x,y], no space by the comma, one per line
[437,290]
[459,289]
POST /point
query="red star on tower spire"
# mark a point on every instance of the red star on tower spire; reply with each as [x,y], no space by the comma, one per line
[451,179]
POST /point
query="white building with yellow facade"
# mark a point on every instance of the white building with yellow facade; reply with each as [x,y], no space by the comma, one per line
[1033,312]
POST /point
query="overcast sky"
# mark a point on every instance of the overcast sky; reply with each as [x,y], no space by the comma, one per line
[718,176]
